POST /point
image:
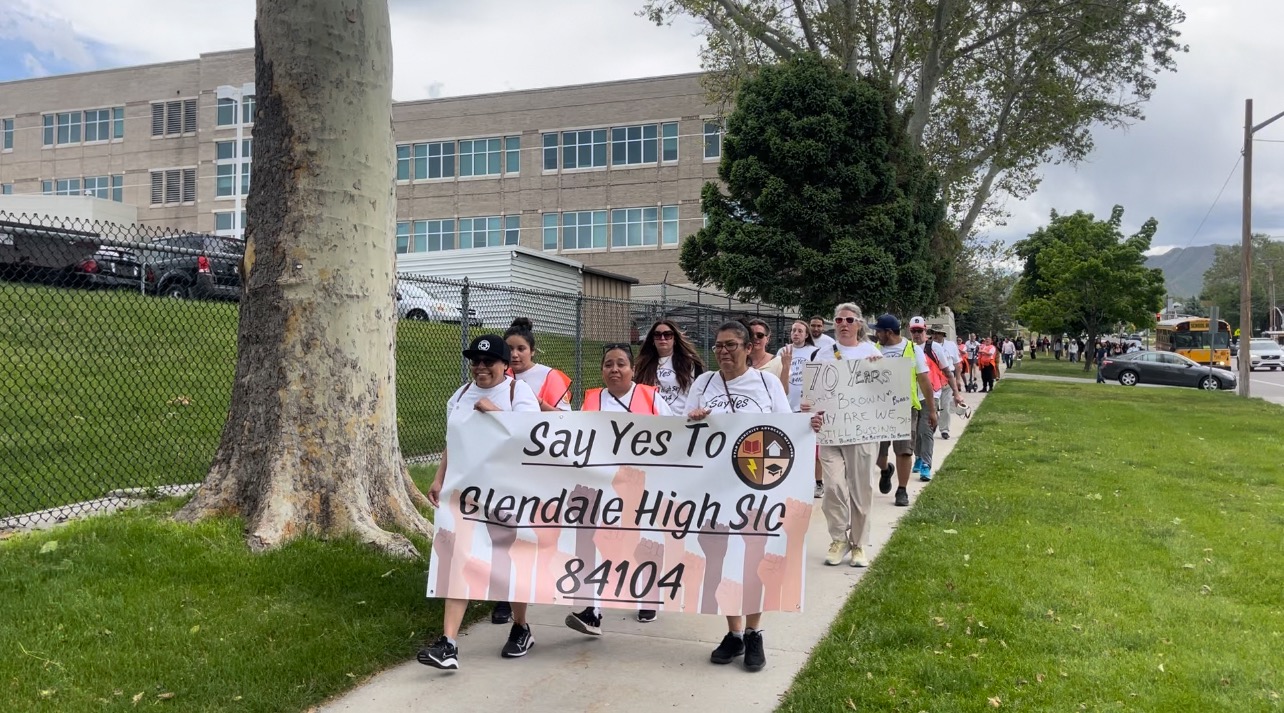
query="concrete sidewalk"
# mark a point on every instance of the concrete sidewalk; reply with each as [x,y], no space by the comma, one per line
[633,666]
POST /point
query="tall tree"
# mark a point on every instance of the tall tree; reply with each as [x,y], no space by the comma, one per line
[985,303]
[991,89]
[310,444]
[826,200]
[1084,275]
[1223,278]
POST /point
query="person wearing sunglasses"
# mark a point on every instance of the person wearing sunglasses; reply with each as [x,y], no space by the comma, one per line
[490,390]
[553,387]
[848,469]
[669,362]
[620,395]
[736,388]
[759,357]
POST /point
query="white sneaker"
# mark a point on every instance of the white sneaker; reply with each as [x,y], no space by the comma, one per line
[836,552]
[858,557]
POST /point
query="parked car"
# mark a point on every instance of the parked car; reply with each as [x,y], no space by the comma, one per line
[1265,354]
[212,274]
[416,303]
[110,267]
[1165,368]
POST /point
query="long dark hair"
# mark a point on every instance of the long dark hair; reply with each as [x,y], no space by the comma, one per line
[687,364]
[522,327]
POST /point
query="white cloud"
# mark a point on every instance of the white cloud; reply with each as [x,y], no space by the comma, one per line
[47,31]
[34,66]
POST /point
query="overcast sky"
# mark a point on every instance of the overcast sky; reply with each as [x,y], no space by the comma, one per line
[1170,166]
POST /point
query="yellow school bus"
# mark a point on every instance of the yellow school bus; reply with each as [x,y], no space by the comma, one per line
[1190,337]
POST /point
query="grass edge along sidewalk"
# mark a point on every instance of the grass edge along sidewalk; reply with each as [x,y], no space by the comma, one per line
[1112,550]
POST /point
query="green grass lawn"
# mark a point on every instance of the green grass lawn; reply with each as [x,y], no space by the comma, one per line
[1080,550]
[1047,366]
[133,611]
[110,389]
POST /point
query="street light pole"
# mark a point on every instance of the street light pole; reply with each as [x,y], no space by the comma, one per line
[1246,248]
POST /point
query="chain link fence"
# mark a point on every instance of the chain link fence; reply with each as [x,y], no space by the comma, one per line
[118,349]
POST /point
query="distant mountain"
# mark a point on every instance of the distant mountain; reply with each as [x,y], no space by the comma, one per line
[1184,269]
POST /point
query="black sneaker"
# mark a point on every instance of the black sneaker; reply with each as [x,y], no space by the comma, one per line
[885,479]
[731,647]
[585,622]
[755,656]
[442,654]
[945,435]
[519,642]
[502,613]
[902,498]
[646,616]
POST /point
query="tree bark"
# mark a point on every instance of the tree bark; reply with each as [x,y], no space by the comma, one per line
[310,444]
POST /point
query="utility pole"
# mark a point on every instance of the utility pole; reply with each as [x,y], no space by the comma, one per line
[1246,248]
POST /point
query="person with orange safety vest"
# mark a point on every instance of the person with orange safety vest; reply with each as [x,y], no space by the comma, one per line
[552,388]
[620,395]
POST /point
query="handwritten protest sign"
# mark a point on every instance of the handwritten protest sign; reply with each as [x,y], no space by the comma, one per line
[863,401]
[625,511]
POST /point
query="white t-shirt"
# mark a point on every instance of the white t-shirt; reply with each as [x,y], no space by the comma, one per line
[669,387]
[897,351]
[1009,348]
[774,367]
[802,355]
[535,376]
[753,392]
[973,348]
[609,402]
[466,396]
[952,355]
[824,341]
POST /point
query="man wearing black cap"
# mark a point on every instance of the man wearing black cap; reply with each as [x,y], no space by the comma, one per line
[887,330]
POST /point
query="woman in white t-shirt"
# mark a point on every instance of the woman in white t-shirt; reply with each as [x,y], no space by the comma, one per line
[490,390]
[620,395]
[793,356]
[736,388]
[669,362]
[551,386]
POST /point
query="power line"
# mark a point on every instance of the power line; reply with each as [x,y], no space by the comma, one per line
[1229,176]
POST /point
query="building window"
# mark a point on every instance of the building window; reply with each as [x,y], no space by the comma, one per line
[420,161]
[512,155]
[634,227]
[98,187]
[224,150]
[403,237]
[248,104]
[669,224]
[74,127]
[512,230]
[245,178]
[225,221]
[174,118]
[480,232]
[118,120]
[97,125]
[633,145]
[226,115]
[224,180]
[47,187]
[584,149]
[67,187]
[479,157]
[7,125]
[550,231]
[118,188]
[174,185]
[584,230]
[48,120]
[669,145]
[550,152]
[441,235]
[6,189]
[69,124]
[712,139]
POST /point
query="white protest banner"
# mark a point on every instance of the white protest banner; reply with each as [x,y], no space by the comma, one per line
[626,511]
[864,401]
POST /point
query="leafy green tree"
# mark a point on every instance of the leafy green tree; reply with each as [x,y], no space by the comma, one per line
[985,304]
[1222,280]
[826,201]
[1084,275]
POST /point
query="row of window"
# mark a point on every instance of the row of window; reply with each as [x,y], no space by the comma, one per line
[418,236]
[628,228]
[68,128]
[105,187]
[464,158]
[628,146]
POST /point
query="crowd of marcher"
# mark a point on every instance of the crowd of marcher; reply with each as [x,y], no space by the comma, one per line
[668,377]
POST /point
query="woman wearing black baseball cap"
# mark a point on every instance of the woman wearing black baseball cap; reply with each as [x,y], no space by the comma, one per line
[490,390]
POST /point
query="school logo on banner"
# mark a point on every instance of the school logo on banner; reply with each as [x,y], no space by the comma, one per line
[762,457]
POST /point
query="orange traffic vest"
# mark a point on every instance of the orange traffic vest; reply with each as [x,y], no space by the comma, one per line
[642,403]
[556,388]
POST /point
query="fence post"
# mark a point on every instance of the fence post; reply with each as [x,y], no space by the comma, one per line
[579,348]
[463,330]
[664,299]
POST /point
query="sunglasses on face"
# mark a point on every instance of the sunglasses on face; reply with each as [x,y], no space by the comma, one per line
[917,331]
[485,361]
[845,320]
[759,336]
[662,336]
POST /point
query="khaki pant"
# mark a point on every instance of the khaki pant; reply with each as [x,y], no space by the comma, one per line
[849,492]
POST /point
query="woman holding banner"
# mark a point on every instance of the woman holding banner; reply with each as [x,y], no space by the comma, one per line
[849,492]
[669,362]
[620,395]
[490,390]
[735,388]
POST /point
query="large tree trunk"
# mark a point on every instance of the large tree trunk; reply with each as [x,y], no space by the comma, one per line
[310,444]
